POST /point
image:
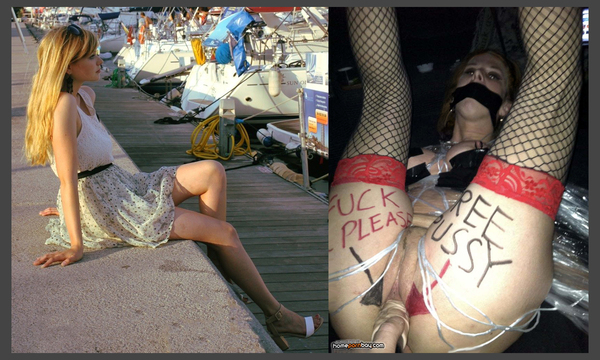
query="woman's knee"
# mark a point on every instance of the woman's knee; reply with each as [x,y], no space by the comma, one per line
[214,170]
[231,238]
[198,178]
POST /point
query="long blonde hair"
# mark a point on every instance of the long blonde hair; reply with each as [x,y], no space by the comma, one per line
[58,49]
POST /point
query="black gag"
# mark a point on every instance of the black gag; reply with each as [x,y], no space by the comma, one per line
[482,95]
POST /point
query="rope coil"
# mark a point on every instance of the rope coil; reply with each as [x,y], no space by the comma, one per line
[209,129]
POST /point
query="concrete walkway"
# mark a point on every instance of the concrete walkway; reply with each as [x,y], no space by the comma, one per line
[127,300]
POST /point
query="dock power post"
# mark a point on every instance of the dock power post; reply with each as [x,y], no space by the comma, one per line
[303,147]
[226,127]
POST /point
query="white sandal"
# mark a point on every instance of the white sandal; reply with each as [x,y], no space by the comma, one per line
[278,337]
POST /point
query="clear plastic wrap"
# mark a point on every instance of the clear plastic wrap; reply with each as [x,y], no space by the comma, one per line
[572,221]
[570,287]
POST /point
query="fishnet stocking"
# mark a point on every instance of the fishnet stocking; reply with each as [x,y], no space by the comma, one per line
[539,132]
[384,126]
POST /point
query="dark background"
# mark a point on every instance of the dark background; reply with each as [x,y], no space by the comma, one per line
[442,36]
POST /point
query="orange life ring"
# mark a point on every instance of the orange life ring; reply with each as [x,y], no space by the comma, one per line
[130,36]
[141,36]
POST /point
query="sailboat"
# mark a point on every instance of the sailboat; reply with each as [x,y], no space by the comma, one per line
[160,58]
[263,62]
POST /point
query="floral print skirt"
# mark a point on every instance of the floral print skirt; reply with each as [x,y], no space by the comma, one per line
[118,208]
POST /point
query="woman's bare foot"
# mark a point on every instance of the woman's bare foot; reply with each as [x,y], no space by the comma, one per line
[51,211]
[293,324]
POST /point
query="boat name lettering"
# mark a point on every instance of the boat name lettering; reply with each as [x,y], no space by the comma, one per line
[296,82]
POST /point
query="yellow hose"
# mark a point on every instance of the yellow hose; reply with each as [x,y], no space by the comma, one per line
[210,129]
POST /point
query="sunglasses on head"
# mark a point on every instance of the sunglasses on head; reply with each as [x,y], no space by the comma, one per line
[74,29]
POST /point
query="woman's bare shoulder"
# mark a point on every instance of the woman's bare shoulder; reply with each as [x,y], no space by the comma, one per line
[88,90]
[65,113]
[65,102]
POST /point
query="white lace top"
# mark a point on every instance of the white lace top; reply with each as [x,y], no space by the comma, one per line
[94,144]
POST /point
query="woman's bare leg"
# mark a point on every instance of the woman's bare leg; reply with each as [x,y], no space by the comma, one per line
[207,180]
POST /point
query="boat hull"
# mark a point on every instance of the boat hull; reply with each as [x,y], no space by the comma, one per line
[250,92]
[147,61]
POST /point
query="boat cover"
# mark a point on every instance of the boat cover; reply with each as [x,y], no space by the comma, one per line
[109,16]
[219,34]
[236,27]
[233,26]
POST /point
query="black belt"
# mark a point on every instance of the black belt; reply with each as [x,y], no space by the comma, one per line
[87,173]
